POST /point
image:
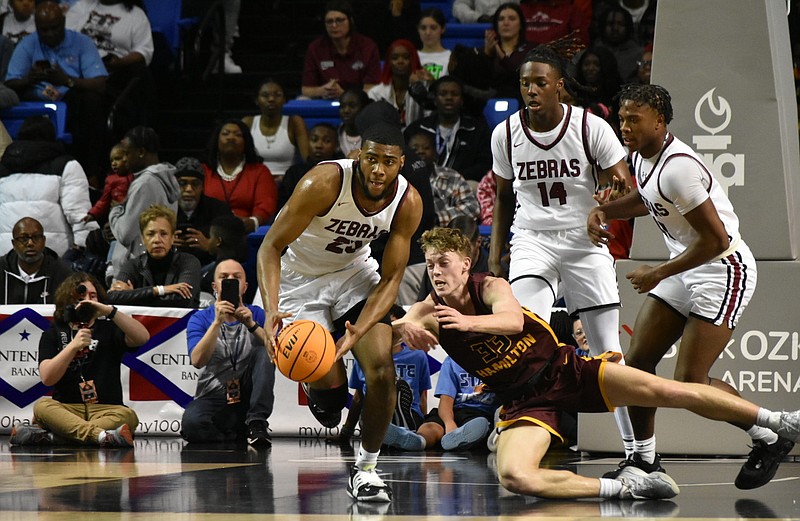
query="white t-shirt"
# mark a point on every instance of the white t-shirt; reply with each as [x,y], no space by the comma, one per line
[435,62]
[15,30]
[554,173]
[673,183]
[113,28]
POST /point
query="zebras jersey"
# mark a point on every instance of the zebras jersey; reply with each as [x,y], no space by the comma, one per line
[554,173]
[674,182]
[340,238]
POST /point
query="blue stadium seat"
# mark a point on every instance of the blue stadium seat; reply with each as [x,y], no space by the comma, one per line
[314,111]
[450,43]
[472,31]
[57,112]
[165,18]
[498,109]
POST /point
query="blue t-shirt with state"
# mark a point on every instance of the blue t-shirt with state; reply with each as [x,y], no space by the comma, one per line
[457,383]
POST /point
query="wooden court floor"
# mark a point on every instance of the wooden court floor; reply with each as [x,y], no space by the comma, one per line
[304,479]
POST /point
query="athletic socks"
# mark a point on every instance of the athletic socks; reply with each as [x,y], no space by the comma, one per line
[767,423]
[366,460]
[610,487]
[646,449]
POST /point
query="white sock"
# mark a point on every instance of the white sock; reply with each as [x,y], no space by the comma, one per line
[769,419]
[647,449]
[102,436]
[763,434]
[610,487]
[366,460]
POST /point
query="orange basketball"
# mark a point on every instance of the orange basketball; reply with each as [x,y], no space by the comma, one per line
[305,351]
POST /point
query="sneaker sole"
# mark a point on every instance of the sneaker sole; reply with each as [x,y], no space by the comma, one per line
[403,439]
[661,485]
[405,400]
[382,497]
[467,435]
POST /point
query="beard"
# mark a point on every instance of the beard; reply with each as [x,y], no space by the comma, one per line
[362,180]
[187,205]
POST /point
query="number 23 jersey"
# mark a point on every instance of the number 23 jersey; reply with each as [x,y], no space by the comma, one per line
[340,238]
[554,173]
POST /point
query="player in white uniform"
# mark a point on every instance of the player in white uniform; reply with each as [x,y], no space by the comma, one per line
[315,264]
[701,291]
[549,160]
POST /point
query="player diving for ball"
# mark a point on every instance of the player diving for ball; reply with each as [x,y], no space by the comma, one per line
[315,264]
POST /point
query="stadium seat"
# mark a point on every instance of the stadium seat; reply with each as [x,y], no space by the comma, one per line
[165,19]
[498,109]
[314,111]
[57,112]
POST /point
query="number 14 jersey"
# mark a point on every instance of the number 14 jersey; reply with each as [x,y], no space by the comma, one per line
[554,173]
[340,238]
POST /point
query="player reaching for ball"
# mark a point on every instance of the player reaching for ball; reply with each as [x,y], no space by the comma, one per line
[315,264]
[234,393]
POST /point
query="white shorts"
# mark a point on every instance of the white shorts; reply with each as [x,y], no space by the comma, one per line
[716,292]
[566,257]
[325,298]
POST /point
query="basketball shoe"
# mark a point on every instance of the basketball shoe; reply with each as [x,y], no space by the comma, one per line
[638,484]
[402,438]
[789,425]
[366,485]
[405,400]
[119,437]
[30,435]
[762,463]
[467,435]
[636,461]
[327,419]
[258,434]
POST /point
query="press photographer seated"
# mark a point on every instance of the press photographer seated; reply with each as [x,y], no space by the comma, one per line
[80,356]
[160,276]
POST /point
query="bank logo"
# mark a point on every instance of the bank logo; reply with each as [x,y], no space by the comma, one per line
[713,114]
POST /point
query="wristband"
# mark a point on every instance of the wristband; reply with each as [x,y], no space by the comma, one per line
[253,328]
[113,313]
[161,291]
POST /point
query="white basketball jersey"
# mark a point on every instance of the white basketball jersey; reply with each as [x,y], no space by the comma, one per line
[674,182]
[340,238]
[554,173]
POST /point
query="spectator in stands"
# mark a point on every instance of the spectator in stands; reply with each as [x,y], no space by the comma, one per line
[153,183]
[31,271]
[115,189]
[549,20]
[196,211]
[418,174]
[462,142]
[400,70]
[385,21]
[475,11]
[80,357]
[618,36]
[324,147]
[234,395]
[505,48]
[341,58]
[235,174]
[433,56]
[17,22]
[350,104]
[38,179]
[597,71]
[480,255]
[643,13]
[161,276]
[486,193]
[645,64]
[228,240]
[581,342]
[121,31]
[6,51]
[58,64]
[452,195]
[278,138]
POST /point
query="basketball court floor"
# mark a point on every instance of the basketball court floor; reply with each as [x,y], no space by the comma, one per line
[304,479]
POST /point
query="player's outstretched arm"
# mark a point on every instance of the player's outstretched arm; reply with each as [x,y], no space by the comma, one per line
[506,317]
[626,207]
[418,329]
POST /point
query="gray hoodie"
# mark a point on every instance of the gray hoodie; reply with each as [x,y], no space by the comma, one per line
[153,185]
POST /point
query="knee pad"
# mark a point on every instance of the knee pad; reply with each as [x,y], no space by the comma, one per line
[331,399]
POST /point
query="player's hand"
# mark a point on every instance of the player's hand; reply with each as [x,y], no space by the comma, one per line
[347,341]
[273,323]
[450,318]
[644,278]
[597,228]
[416,337]
[617,189]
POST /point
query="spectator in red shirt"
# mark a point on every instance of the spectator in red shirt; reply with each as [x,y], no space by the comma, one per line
[341,58]
[548,20]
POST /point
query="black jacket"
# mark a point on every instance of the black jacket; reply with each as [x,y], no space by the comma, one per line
[184,268]
[207,210]
[41,289]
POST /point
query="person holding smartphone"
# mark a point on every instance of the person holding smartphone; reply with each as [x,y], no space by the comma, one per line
[234,396]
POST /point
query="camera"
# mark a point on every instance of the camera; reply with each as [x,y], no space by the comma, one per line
[78,315]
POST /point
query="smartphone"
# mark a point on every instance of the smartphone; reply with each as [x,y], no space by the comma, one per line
[230,291]
[43,65]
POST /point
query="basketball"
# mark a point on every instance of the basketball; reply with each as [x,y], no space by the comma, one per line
[305,351]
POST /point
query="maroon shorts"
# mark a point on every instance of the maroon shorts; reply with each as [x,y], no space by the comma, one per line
[572,383]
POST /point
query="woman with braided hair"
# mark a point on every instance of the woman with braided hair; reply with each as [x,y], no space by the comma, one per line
[550,159]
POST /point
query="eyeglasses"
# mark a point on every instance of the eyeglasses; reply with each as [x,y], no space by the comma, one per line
[643,63]
[24,239]
[335,21]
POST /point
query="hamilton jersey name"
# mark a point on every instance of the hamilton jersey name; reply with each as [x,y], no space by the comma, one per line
[340,238]
[554,173]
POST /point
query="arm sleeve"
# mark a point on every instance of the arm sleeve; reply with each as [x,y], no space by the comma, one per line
[91,64]
[311,75]
[372,64]
[195,329]
[124,218]
[142,35]
[265,203]
[684,182]
[447,384]
[74,195]
[102,206]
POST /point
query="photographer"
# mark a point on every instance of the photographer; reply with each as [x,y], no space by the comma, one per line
[80,356]
[234,393]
